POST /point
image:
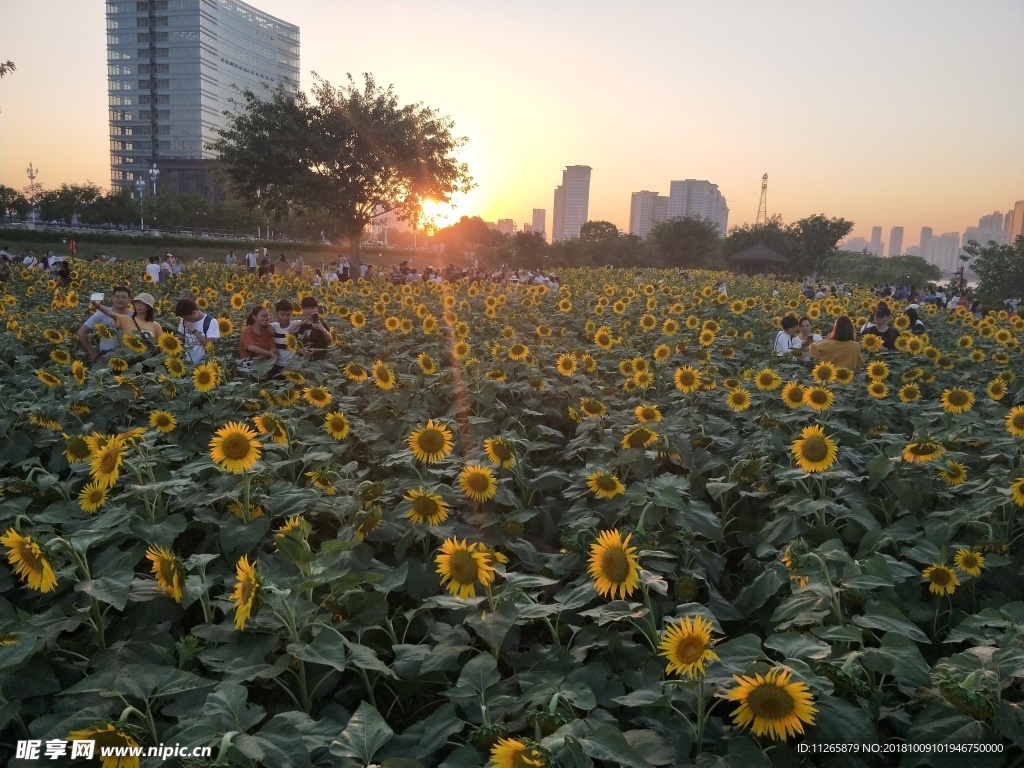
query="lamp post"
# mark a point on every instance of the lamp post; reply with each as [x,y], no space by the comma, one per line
[154,174]
[32,173]
[140,184]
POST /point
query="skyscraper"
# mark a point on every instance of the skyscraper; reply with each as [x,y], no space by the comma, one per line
[700,198]
[925,241]
[645,210]
[540,221]
[172,66]
[877,247]
[896,241]
[1017,225]
[572,202]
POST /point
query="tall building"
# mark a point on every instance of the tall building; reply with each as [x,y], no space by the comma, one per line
[572,203]
[506,226]
[926,238]
[699,198]
[1008,224]
[645,210]
[1017,225]
[989,229]
[172,67]
[540,221]
[896,241]
[877,246]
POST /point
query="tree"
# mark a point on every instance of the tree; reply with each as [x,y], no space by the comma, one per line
[868,269]
[351,153]
[7,67]
[467,234]
[599,232]
[116,207]
[773,233]
[14,203]
[1000,270]
[689,242]
[816,239]
[523,250]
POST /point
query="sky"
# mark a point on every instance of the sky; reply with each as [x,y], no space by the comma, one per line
[883,113]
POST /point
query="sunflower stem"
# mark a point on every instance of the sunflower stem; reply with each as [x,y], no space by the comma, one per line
[701,720]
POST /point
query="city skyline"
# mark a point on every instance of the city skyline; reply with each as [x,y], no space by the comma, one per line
[789,78]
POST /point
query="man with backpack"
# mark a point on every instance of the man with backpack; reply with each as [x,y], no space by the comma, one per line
[196,328]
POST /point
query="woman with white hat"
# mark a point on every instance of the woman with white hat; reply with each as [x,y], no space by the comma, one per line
[140,321]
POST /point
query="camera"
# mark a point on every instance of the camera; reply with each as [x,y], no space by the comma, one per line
[315,318]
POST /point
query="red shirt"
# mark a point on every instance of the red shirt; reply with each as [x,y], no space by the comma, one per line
[250,336]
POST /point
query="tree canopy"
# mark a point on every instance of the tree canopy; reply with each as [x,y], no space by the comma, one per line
[808,243]
[347,155]
[1000,269]
[689,242]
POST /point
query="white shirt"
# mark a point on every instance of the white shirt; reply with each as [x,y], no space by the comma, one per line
[98,318]
[279,331]
[153,270]
[784,343]
[194,350]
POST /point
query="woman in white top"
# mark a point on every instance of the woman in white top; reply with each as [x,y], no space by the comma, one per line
[788,339]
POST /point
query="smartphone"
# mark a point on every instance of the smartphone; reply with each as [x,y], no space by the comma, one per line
[316,317]
[96,297]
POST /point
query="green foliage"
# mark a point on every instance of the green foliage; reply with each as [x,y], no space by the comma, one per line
[347,156]
[808,243]
[14,203]
[1000,270]
[868,269]
[689,243]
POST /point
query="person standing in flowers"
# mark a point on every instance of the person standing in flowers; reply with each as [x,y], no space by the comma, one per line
[119,306]
[312,333]
[787,341]
[196,328]
[257,342]
[285,325]
[141,321]
[880,326]
[839,348]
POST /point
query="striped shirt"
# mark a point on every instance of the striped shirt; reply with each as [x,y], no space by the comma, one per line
[280,340]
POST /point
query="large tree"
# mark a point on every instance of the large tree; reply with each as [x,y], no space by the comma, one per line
[816,240]
[351,153]
[14,203]
[687,242]
[1000,270]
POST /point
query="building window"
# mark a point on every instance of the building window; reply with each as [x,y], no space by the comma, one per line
[143,69]
[141,7]
[163,114]
[163,83]
[145,115]
[160,37]
[161,53]
[142,37]
[142,21]
[160,21]
[163,99]
[145,99]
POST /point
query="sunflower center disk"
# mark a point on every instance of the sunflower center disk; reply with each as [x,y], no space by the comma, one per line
[615,565]
[770,702]
[236,447]
[940,577]
[464,568]
[431,441]
[689,650]
[425,507]
[814,449]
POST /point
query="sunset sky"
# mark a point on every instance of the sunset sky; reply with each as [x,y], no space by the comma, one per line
[885,113]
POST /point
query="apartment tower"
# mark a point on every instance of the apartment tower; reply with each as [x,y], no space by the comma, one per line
[572,203]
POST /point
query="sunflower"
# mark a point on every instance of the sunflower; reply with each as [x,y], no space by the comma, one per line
[28,561]
[234,448]
[767,380]
[910,393]
[1017,491]
[954,474]
[92,497]
[60,356]
[162,421]
[518,352]
[592,408]
[844,376]
[322,481]
[110,739]
[878,390]
[49,379]
[427,508]
[174,366]
[871,342]
[639,437]
[613,565]
[79,372]
[107,461]
[247,590]
[996,389]
[969,561]
[1015,421]
[566,364]
[426,364]
[317,396]
[431,443]
[477,482]
[269,424]
[356,372]
[957,400]
[461,349]
[605,485]
[383,376]
[168,571]
[772,704]
[824,372]
[336,425]
[358,319]
[877,370]
[687,379]
[687,646]
[646,413]
[923,451]
[512,753]
[499,452]
[55,337]
[814,451]
[793,395]
[169,344]
[134,343]
[237,301]
[76,449]
[604,339]
[205,377]
[738,399]
[662,352]
[942,579]
[462,565]
[818,398]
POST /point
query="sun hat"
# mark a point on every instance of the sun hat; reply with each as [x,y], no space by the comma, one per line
[146,298]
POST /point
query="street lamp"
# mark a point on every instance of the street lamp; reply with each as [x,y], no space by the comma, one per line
[154,174]
[140,184]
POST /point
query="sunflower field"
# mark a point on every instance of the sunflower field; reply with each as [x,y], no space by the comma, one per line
[504,525]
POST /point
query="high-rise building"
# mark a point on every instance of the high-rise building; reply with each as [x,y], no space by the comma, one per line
[877,246]
[856,245]
[989,229]
[1008,224]
[993,221]
[926,237]
[700,198]
[645,210]
[1017,225]
[572,203]
[896,241]
[506,226]
[540,221]
[172,67]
